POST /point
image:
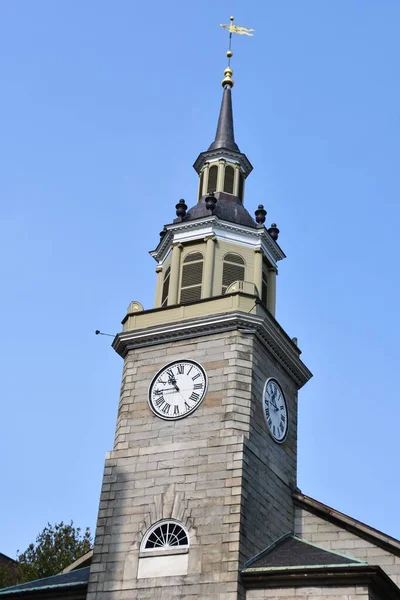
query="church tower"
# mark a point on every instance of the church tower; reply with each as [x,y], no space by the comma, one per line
[203,468]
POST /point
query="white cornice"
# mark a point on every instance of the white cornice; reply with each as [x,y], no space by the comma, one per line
[266,330]
[188,231]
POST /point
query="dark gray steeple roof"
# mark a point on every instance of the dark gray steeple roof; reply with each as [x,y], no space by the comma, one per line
[225,137]
[228,208]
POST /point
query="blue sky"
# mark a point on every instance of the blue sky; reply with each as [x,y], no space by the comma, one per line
[105,106]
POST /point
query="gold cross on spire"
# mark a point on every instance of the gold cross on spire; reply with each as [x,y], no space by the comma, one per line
[232,29]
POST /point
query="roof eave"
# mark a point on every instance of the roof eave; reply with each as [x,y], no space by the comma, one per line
[371,576]
[239,157]
[360,529]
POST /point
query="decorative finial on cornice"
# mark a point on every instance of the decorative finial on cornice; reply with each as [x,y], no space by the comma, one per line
[273,231]
[261,214]
[181,208]
[211,201]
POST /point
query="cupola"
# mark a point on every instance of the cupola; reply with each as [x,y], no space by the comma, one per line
[223,168]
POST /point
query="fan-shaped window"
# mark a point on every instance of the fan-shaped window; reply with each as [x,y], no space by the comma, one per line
[229,178]
[201,184]
[241,184]
[164,536]
[233,270]
[212,179]
[192,277]
[165,288]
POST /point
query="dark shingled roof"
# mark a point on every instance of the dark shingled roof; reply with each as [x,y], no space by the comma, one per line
[292,551]
[228,208]
[77,577]
[225,137]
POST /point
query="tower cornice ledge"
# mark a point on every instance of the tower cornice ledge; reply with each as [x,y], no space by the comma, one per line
[196,230]
[177,323]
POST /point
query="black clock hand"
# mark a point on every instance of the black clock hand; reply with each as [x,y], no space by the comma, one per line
[161,392]
[173,381]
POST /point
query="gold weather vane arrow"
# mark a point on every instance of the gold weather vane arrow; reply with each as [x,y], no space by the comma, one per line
[237,29]
[231,28]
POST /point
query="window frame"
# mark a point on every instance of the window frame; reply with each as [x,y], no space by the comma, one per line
[179,548]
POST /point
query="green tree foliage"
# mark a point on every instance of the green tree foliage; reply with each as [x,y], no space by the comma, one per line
[56,547]
[8,574]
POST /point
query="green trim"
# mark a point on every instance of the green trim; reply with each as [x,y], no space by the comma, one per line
[14,589]
[304,567]
[20,590]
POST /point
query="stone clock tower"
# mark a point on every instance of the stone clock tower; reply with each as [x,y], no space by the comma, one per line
[203,469]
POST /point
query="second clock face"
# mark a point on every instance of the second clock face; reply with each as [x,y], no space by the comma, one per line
[275,410]
[177,389]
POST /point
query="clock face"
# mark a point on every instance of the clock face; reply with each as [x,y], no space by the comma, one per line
[177,389]
[275,410]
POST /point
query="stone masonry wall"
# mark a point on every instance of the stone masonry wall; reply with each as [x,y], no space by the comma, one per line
[314,593]
[333,537]
[198,461]
[270,475]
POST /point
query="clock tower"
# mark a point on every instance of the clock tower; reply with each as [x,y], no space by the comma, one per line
[203,469]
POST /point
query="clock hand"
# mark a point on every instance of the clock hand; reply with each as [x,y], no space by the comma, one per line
[173,381]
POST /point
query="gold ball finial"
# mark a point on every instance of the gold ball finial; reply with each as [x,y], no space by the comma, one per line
[227,80]
[229,53]
[232,18]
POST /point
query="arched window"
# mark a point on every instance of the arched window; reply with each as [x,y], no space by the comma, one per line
[229,178]
[212,179]
[233,270]
[192,277]
[241,185]
[165,288]
[165,535]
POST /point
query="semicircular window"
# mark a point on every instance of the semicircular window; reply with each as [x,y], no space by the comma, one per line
[165,535]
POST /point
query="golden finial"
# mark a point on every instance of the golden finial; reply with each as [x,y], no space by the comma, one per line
[227,80]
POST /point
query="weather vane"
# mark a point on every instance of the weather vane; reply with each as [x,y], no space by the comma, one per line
[240,31]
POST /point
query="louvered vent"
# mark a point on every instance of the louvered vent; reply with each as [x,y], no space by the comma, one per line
[234,258]
[229,177]
[212,179]
[233,270]
[192,277]
[201,184]
[164,298]
[193,256]
[241,184]
[191,294]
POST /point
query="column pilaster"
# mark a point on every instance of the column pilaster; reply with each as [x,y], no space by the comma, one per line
[258,260]
[221,175]
[175,270]
[208,266]
[205,179]
[236,180]
[159,282]
[271,296]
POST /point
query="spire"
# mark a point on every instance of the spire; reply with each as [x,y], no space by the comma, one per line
[225,137]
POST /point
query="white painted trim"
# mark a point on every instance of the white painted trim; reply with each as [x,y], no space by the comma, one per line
[223,230]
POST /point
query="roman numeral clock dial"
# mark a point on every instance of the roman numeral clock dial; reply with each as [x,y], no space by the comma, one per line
[275,410]
[177,389]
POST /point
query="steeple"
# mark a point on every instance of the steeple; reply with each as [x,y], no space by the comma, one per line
[223,168]
[225,137]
